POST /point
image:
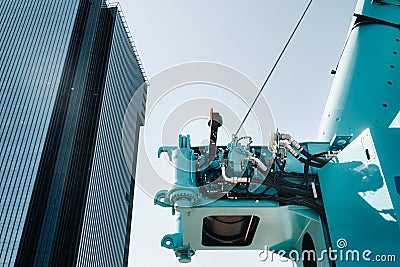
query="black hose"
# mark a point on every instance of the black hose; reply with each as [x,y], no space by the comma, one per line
[314,157]
[309,162]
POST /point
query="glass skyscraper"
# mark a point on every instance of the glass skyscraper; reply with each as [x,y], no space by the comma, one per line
[68,70]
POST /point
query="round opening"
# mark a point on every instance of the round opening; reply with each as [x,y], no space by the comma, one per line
[392,66]
[397,40]
[341,142]
[389,82]
[309,253]
[384,105]
[394,52]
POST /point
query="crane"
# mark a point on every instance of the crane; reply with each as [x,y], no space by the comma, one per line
[331,202]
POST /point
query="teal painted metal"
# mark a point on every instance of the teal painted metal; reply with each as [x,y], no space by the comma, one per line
[359,187]
[361,201]
[365,91]
[359,190]
[279,227]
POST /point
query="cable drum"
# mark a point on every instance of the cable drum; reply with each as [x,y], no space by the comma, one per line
[229,230]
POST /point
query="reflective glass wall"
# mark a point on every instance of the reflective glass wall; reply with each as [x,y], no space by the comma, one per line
[107,220]
[34,42]
[67,73]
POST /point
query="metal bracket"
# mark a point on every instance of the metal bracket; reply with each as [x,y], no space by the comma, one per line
[175,242]
[167,149]
[339,142]
[161,199]
[362,19]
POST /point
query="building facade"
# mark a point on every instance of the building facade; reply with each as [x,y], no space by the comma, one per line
[68,71]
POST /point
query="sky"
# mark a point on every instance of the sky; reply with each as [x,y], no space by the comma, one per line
[248,37]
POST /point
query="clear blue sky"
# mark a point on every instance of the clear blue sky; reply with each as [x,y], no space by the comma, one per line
[248,36]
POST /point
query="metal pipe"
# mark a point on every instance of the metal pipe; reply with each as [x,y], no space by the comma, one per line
[258,163]
[233,180]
